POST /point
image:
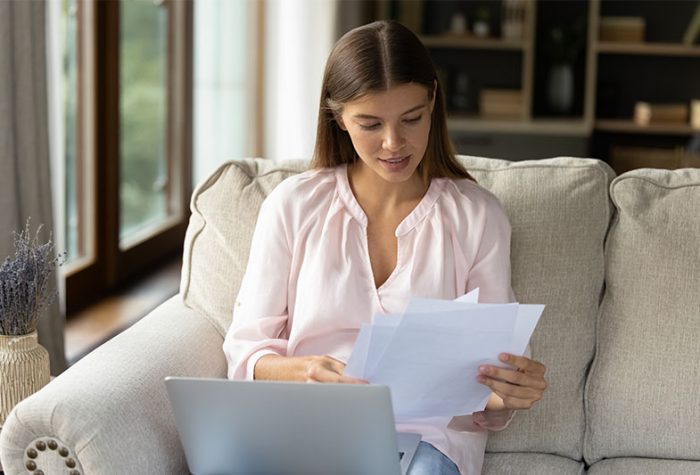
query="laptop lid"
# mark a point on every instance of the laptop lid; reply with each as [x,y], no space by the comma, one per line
[284,428]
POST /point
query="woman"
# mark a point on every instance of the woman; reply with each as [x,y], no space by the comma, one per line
[385,213]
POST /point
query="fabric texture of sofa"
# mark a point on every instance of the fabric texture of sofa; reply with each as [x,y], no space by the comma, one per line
[616,260]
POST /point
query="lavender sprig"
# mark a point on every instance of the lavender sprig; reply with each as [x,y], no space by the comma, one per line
[25,282]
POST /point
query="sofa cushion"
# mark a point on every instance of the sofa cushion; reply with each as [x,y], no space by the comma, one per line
[642,392]
[560,213]
[530,464]
[635,466]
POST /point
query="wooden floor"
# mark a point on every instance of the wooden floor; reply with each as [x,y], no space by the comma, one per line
[96,324]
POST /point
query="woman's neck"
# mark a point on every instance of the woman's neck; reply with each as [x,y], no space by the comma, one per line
[378,196]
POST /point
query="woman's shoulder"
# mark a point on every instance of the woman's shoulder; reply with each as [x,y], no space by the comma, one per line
[302,192]
[305,184]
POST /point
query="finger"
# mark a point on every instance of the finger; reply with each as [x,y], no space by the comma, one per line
[337,365]
[504,389]
[517,403]
[514,377]
[324,373]
[523,363]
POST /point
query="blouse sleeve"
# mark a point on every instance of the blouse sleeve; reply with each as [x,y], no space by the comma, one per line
[260,312]
[491,269]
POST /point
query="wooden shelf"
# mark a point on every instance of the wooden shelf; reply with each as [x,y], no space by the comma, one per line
[648,49]
[472,42]
[568,126]
[629,126]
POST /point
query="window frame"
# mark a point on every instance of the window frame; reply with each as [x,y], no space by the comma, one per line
[112,267]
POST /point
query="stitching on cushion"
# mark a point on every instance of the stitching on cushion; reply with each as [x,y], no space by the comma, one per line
[623,178]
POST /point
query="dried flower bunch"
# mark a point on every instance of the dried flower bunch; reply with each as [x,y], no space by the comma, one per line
[25,283]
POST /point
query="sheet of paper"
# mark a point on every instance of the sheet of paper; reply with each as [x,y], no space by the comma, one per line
[470,297]
[432,361]
[430,355]
[528,317]
[355,366]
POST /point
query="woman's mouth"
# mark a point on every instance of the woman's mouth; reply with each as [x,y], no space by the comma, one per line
[395,163]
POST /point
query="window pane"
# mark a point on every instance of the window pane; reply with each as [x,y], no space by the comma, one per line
[143,116]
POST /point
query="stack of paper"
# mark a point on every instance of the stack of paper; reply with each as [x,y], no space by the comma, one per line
[430,356]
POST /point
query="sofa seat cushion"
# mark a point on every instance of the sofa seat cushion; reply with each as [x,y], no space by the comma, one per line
[530,464]
[642,393]
[635,466]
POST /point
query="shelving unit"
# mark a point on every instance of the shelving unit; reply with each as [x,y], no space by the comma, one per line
[609,76]
[471,42]
[630,127]
[661,69]
[648,49]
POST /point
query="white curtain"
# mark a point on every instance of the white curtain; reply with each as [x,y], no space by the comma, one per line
[25,178]
[299,37]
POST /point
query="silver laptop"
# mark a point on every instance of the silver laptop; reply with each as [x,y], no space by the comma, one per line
[282,428]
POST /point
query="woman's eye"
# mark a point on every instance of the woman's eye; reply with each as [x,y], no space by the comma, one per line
[414,119]
[368,127]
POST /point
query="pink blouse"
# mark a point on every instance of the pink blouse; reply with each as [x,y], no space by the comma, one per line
[309,285]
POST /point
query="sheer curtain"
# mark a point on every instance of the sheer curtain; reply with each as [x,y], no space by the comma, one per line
[299,37]
[25,178]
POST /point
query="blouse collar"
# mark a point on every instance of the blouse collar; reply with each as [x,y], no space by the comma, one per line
[409,222]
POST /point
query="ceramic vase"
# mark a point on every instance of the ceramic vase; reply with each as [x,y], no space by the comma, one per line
[24,369]
[560,88]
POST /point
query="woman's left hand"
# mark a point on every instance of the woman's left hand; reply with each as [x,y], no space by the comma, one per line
[518,387]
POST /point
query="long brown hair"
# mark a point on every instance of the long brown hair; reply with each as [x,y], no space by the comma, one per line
[375,57]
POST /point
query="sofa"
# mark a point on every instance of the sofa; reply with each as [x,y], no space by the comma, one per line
[616,260]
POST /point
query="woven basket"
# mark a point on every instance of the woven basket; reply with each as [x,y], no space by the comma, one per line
[24,369]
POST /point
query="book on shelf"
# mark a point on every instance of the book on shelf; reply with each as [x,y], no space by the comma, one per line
[624,29]
[501,103]
[693,31]
[695,113]
[646,113]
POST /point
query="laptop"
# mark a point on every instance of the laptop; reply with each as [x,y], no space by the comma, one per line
[285,428]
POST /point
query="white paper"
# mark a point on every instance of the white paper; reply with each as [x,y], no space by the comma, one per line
[430,356]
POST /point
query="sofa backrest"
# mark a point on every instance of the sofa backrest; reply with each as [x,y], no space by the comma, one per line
[560,212]
[642,393]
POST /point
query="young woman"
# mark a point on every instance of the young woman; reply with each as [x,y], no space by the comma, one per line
[385,213]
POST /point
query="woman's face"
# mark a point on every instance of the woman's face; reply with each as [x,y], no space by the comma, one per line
[390,129]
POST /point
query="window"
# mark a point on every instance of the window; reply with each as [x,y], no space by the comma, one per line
[121,136]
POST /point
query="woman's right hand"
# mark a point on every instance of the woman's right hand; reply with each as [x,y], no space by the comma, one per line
[310,369]
[325,369]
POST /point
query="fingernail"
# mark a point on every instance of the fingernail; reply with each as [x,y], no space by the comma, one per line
[481,379]
[483,369]
[503,357]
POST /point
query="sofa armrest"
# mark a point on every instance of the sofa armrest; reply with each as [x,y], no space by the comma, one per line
[110,411]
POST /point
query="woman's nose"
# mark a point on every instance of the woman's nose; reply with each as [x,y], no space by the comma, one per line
[393,139]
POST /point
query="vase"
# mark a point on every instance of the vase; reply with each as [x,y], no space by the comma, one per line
[560,88]
[24,369]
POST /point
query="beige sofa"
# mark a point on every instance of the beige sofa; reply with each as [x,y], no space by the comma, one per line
[616,261]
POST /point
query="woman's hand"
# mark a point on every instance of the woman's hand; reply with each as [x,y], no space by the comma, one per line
[318,369]
[324,369]
[517,388]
